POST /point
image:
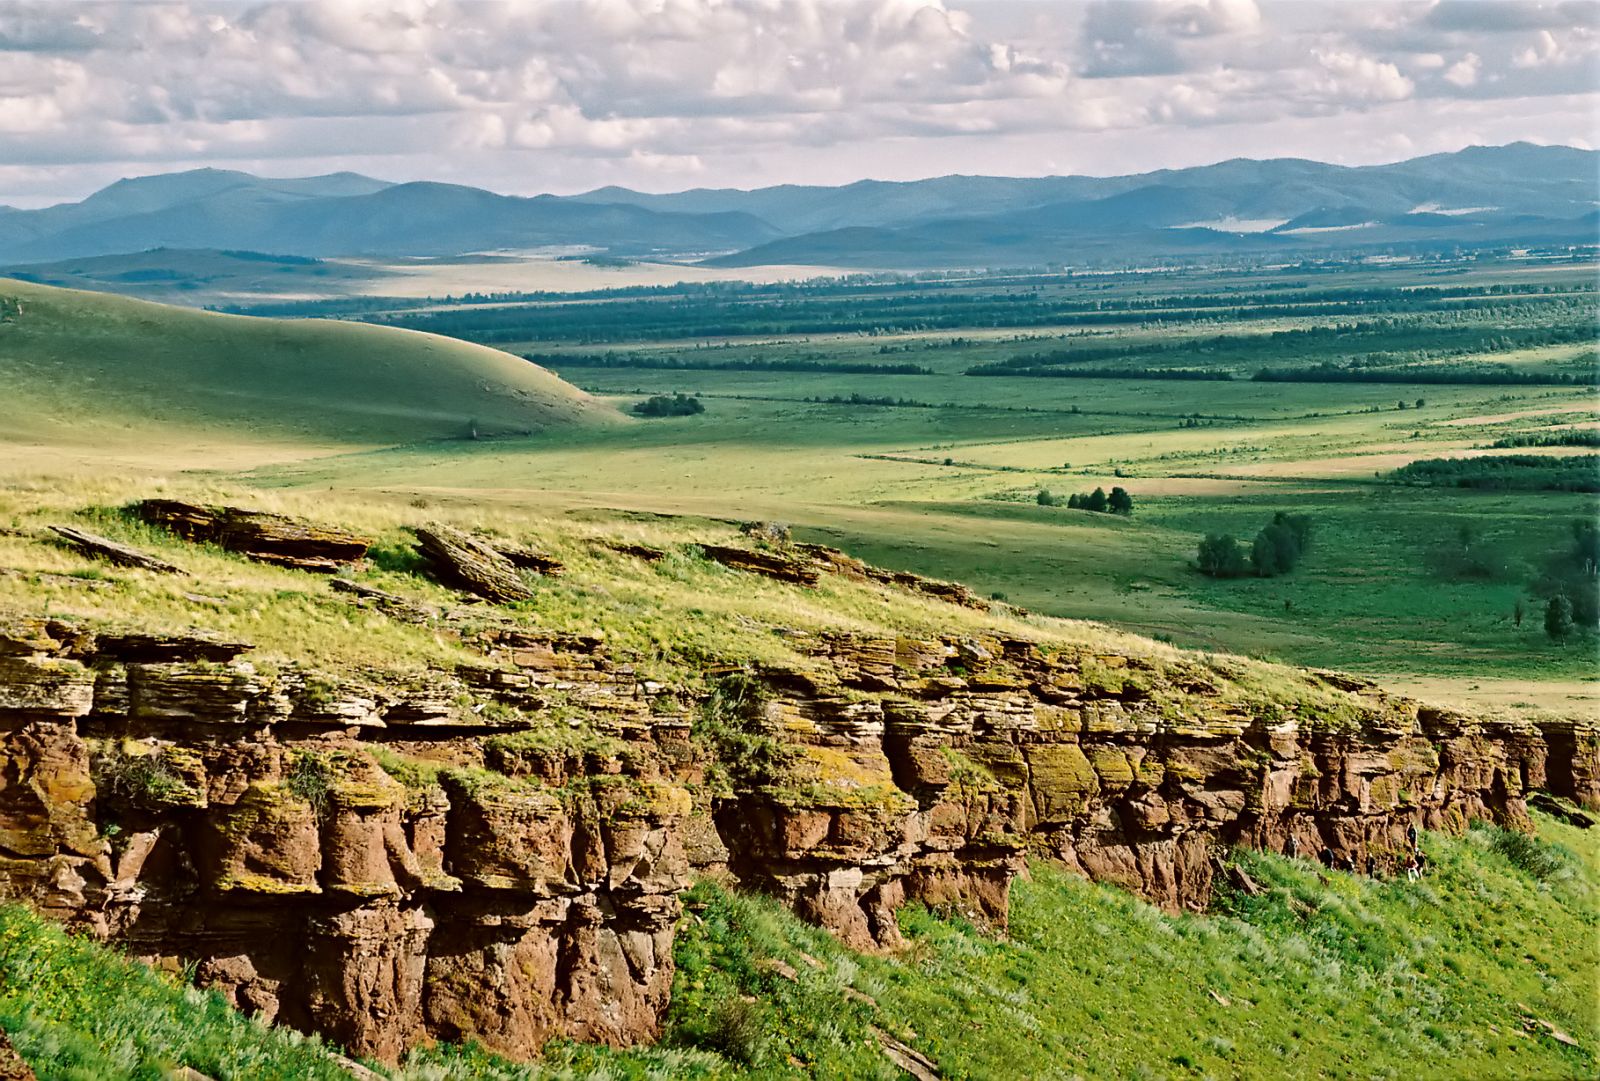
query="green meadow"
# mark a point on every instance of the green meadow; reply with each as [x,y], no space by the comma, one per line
[849,410]
[852,415]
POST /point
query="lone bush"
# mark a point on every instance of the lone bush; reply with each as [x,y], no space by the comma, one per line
[310,778]
[1558,617]
[139,779]
[733,726]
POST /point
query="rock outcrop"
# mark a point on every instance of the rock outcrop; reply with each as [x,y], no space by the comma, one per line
[260,535]
[804,564]
[497,852]
[472,564]
[123,555]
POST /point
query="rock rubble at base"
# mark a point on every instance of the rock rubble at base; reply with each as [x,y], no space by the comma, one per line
[397,859]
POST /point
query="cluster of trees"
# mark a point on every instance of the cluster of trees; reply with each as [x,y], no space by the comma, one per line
[664,405]
[1505,472]
[1277,549]
[1570,584]
[1118,502]
[1352,351]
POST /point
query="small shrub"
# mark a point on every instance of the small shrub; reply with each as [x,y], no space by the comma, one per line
[1558,617]
[733,726]
[310,778]
[735,1030]
[140,779]
[1542,861]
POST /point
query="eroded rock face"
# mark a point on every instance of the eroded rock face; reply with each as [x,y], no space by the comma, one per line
[935,765]
[448,858]
[197,811]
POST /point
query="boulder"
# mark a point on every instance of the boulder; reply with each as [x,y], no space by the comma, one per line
[471,564]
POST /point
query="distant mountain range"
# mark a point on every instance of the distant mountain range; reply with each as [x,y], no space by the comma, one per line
[1508,195]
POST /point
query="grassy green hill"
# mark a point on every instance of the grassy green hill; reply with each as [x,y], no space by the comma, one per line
[1485,968]
[87,369]
[200,277]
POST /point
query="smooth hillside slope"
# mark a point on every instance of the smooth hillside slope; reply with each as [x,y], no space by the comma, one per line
[87,368]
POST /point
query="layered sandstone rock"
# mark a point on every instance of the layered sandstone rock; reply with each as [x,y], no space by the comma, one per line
[497,852]
[200,811]
[260,535]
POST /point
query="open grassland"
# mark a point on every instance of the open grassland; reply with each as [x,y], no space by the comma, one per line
[1485,968]
[845,409]
[209,277]
[952,493]
[90,370]
[855,414]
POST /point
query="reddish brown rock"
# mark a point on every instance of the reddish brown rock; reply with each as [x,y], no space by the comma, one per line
[12,1068]
[508,878]
[123,555]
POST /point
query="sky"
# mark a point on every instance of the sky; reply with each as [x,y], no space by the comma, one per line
[661,95]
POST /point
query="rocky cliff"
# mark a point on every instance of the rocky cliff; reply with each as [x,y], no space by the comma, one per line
[496,852]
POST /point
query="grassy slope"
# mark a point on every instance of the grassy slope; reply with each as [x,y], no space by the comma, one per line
[86,368]
[198,277]
[1331,977]
[1324,975]
[803,463]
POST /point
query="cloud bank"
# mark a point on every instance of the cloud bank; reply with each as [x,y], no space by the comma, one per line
[662,94]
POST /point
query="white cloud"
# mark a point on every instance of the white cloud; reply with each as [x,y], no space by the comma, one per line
[570,93]
[1463,72]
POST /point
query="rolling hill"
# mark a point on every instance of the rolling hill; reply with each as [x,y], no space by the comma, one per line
[1521,178]
[201,276]
[1519,195]
[84,367]
[348,215]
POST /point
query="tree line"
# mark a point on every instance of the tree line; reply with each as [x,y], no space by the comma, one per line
[743,364]
[1118,501]
[1504,472]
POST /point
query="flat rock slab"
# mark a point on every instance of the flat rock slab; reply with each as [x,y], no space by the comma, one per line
[136,648]
[775,565]
[92,544]
[260,535]
[638,551]
[471,564]
[529,559]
